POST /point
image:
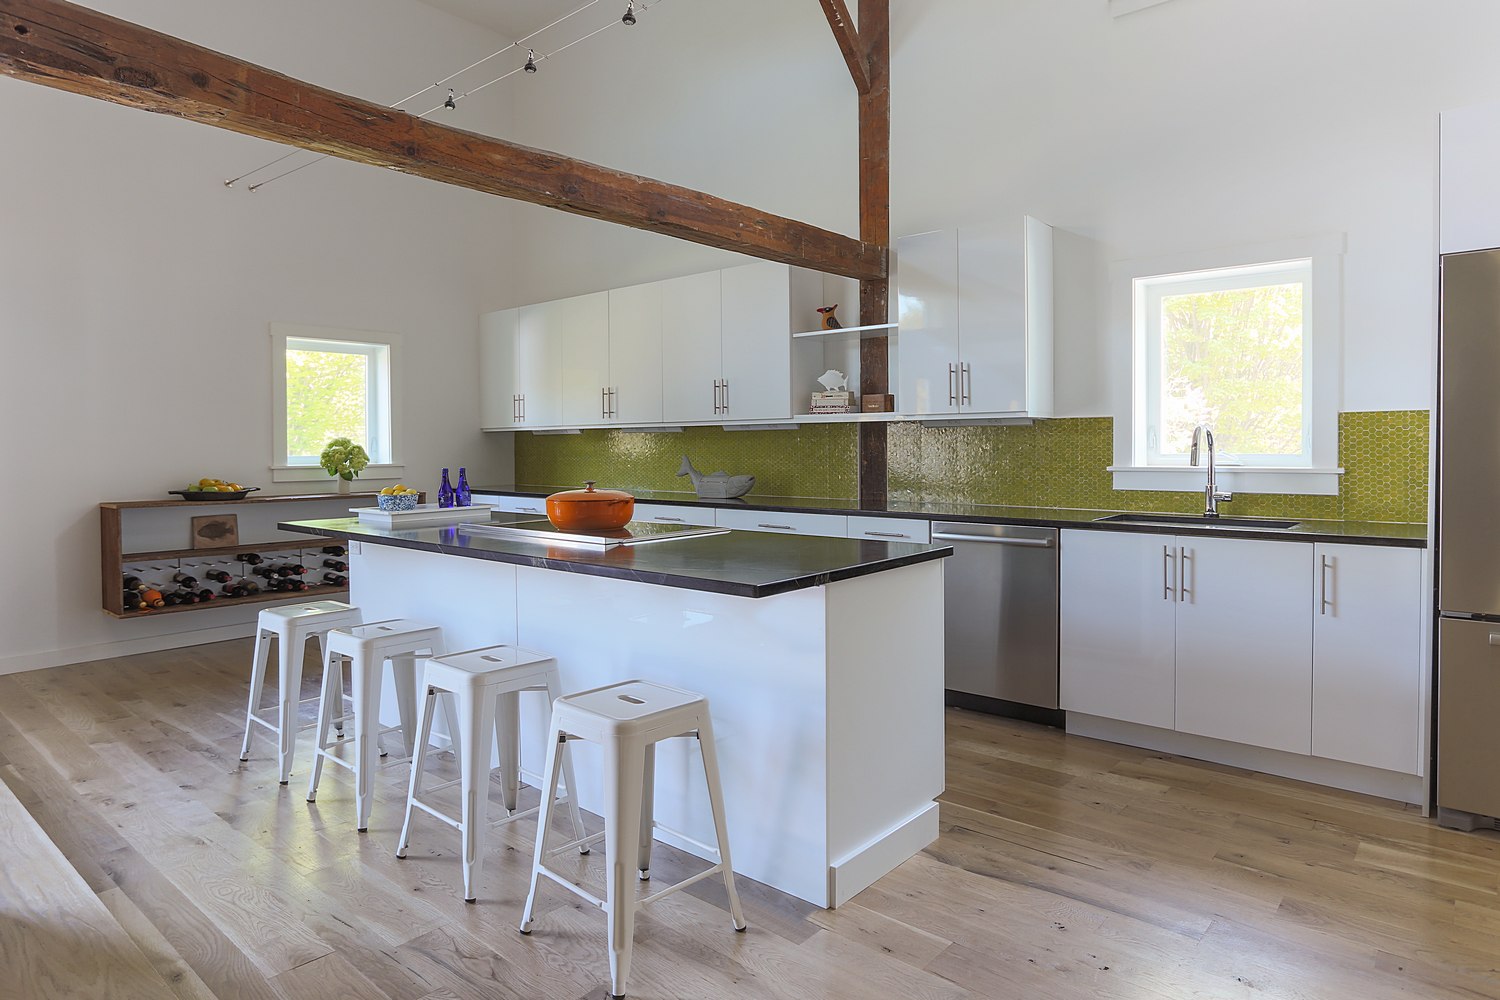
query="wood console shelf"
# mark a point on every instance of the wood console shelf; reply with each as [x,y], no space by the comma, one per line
[137,537]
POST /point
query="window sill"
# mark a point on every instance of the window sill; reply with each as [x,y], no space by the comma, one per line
[1235,478]
[315,473]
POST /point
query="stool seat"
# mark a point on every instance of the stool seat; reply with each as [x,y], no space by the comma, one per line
[627,720]
[291,625]
[397,633]
[485,686]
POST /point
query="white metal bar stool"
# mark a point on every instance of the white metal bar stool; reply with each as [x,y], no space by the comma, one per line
[291,627]
[368,648]
[486,685]
[628,720]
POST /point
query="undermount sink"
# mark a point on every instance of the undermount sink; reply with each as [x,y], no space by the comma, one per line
[1200,520]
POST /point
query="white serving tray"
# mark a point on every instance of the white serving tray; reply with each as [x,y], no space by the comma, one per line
[422,516]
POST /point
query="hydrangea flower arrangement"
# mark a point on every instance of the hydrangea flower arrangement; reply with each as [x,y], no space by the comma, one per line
[343,458]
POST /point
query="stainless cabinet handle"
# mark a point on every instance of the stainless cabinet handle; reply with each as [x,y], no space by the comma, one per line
[726,395]
[614,404]
[528,510]
[515,407]
[965,385]
[1185,558]
[952,385]
[1324,602]
[604,404]
[1030,543]
[777,527]
[663,517]
[1167,589]
[884,534]
[717,407]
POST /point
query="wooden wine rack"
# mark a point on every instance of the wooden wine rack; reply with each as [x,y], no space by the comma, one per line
[115,561]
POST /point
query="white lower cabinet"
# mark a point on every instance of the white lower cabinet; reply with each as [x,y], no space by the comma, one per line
[1309,649]
[1244,641]
[516,505]
[783,522]
[1117,622]
[891,529]
[1367,657]
[666,513]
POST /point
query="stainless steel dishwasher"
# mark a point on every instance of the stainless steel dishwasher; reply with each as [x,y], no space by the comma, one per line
[1000,596]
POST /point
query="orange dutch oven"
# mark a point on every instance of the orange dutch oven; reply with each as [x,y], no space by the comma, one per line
[589,509]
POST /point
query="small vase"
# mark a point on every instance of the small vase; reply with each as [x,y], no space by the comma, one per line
[343,484]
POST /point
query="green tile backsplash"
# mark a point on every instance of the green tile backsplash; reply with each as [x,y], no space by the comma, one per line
[1051,463]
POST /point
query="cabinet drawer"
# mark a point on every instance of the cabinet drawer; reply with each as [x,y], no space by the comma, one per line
[783,523]
[891,529]
[666,513]
[515,505]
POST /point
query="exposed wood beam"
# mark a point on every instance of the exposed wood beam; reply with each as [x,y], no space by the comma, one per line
[856,54]
[874,223]
[77,49]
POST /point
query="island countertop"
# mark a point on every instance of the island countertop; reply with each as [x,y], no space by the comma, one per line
[739,563]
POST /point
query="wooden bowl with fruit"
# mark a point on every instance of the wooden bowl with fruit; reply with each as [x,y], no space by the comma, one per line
[398,497]
[214,489]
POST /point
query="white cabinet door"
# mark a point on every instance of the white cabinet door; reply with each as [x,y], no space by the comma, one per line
[691,362]
[1367,657]
[1469,161]
[666,513]
[635,355]
[992,318]
[927,290]
[582,324]
[1244,641]
[756,338]
[520,505]
[1117,621]
[890,529]
[539,365]
[783,522]
[498,406]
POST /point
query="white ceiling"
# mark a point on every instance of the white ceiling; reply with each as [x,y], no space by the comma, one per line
[514,19]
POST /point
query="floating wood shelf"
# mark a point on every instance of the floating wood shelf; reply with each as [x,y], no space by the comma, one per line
[204,555]
[312,593]
[178,502]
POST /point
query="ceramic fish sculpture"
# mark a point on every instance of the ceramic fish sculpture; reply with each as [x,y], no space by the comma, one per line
[718,486]
[834,381]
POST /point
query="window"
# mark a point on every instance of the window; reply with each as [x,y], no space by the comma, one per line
[1246,342]
[328,384]
[1228,349]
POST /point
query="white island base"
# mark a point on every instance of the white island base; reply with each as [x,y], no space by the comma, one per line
[827,701]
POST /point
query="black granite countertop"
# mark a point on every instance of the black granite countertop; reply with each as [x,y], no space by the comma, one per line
[1354,532]
[738,563]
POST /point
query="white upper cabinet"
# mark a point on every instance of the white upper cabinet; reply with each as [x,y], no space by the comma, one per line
[581,324]
[538,369]
[499,406]
[1367,656]
[976,320]
[635,360]
[756,312]
[691,356]
[1244,641]
[1469,162]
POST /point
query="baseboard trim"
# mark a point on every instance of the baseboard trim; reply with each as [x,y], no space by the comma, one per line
[1409,788]
[22,662]
[858,870]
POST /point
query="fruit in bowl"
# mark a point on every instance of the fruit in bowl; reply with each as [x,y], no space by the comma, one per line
[398,497]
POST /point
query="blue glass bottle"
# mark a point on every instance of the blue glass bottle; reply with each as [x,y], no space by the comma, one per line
[445,492]
[463,496]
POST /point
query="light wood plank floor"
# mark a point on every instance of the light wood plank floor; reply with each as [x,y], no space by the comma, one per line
[1067,868]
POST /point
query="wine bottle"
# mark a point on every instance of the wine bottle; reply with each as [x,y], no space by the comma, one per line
[132,582]
[336,564]
[251,587]
[266,572]
[218,576]
[171,600]
[445,492]
[206,595]
[333,550]
[293,585]
[251,558]
[132,600]
[234,590]
[463,496]
[298,569]
[186,597]
[187,581]
[335,579]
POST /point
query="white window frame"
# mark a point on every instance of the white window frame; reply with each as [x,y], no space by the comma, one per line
[1138,285]
[384,403]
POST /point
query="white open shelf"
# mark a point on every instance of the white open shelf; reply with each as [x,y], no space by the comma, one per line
[864,332]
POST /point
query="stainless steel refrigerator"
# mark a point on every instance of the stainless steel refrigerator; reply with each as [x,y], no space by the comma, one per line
[1468,555]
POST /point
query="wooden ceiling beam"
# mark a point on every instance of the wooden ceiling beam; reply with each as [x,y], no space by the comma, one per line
[848,37]
[74,48]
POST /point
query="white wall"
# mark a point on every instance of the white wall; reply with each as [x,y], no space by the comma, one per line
[1190,125]
[135,293]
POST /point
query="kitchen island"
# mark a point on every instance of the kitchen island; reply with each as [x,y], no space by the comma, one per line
[822,659]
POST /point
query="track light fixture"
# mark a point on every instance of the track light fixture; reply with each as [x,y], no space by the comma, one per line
[629,17]
[530,66]
[451,102]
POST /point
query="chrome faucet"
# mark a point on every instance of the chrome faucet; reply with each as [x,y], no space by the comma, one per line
[1212,495]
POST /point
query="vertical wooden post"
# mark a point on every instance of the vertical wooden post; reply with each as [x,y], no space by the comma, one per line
[874,227]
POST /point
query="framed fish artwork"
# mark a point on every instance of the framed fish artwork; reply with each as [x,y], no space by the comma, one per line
[214,531]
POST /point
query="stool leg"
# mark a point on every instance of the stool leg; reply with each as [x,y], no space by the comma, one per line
[476,715]
[624,765]
[556,749]
[554,692]
[716,802]
[648,811]
[450,714]
[289,662]
[508,737]
[404,672]
[414,787]
[367,678]
[329,701]
[257,685]
[338,723]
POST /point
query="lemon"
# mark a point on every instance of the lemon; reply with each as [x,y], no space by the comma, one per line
[388,491]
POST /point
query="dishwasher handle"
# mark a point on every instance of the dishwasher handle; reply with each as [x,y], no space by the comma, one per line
[1029,543]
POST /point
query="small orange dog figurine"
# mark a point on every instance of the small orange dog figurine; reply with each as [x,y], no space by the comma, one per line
[830,321]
